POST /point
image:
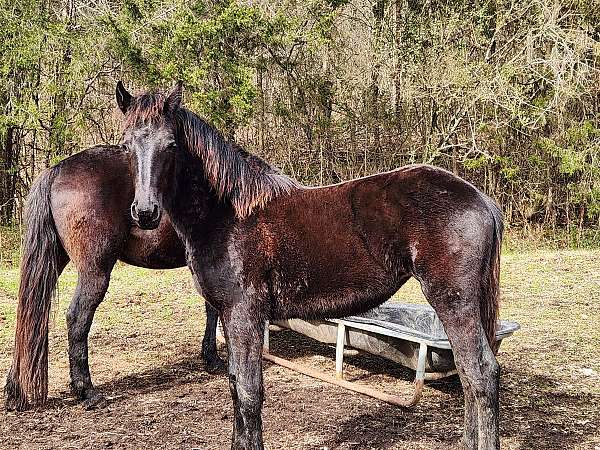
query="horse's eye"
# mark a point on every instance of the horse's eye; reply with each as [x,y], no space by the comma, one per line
[125,149]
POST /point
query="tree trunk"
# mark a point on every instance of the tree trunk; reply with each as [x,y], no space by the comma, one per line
[8,177]
[378,14]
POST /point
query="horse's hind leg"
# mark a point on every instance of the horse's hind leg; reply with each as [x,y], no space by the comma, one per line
[471,431]
[210,356]
[90,291]
[476,364]
[479,369]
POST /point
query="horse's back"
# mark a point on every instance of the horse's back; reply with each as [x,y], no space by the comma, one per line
[416,200]
[398,207]
[356,243]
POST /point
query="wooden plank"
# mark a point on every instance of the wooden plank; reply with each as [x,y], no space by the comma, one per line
[354,387]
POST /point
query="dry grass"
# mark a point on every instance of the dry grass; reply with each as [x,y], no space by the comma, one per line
[144,357]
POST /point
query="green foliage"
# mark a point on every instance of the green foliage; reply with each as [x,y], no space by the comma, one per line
[212,47]
[475,163]
[503,93]
[45,67]
[577,159]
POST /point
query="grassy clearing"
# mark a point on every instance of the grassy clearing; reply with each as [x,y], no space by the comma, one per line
[551,368]
[555,295]
[138,301]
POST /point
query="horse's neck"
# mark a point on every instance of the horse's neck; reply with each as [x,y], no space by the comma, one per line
[245,180]
[192,204]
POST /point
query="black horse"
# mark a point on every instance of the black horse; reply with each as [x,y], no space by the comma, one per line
[79,210]
[260,246]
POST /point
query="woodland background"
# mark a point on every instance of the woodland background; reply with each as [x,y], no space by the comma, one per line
[505,93]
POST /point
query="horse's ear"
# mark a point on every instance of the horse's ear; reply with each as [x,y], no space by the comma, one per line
[173,100]
[123,97]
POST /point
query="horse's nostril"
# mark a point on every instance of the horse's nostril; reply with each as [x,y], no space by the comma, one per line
[155,213]
[134,212]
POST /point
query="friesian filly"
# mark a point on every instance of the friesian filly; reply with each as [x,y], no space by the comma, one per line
[261,246]
[79,210]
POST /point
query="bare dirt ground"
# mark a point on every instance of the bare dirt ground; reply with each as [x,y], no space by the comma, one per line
[145,359]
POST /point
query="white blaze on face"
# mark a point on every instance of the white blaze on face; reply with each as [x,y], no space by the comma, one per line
[147,144]
[145,167]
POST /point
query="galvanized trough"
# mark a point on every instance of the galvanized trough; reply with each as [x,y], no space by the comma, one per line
[411,335]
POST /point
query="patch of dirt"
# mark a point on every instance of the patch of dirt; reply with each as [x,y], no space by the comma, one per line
[176,404]
[144,356]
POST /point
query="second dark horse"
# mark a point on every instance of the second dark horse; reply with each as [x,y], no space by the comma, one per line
[79,210]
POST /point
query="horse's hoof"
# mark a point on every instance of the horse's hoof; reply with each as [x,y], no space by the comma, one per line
[96,401]
[13,404]
[15,397]
[216,365]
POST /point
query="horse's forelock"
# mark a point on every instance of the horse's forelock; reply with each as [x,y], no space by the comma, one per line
[147,108]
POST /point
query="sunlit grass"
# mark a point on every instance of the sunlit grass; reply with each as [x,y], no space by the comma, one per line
[554,295]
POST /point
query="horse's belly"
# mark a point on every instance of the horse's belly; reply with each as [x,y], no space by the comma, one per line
[331,291]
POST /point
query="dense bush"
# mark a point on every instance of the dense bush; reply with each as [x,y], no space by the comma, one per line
[504,93]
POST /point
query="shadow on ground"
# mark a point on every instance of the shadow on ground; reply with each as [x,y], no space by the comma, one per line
[535,412]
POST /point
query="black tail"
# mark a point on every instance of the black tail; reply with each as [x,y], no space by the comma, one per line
[490,301]
[27,382]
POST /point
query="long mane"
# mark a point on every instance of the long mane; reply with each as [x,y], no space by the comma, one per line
[246,180]
[243,179]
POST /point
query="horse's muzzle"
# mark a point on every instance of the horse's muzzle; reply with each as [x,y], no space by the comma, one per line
[147,217]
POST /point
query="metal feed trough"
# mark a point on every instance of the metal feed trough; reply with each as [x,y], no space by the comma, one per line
[411,335]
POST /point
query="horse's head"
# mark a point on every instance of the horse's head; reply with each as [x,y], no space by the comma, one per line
[150,138]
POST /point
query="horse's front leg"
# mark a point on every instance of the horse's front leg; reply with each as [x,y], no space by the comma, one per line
[244,330]
[212,361]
